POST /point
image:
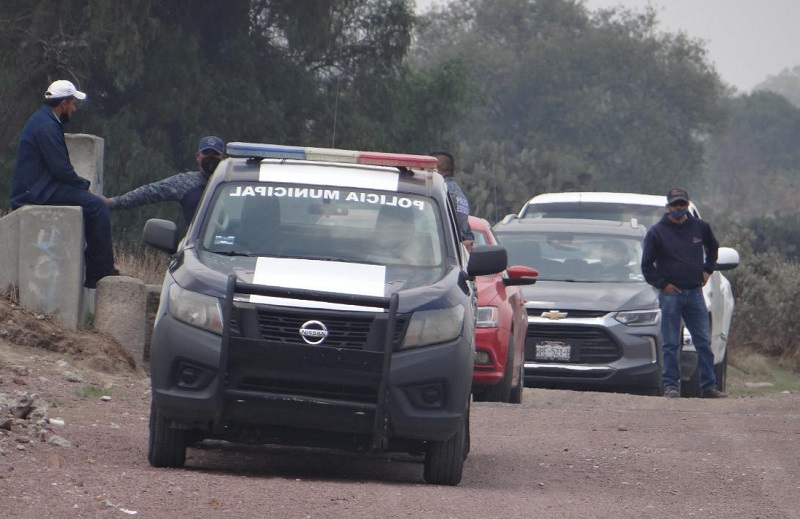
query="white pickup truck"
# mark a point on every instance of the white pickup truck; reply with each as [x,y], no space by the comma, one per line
[648,209]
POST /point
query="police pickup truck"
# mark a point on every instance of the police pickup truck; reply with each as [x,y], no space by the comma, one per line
[320,298]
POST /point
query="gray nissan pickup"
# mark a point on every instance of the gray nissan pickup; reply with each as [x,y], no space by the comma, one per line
[320,298]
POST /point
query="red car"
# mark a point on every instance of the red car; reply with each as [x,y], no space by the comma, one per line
[502,323]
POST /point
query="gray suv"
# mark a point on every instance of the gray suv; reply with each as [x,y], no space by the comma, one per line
[593,321]
[646,210]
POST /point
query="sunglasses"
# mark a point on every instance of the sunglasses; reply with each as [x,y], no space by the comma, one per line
[679,203]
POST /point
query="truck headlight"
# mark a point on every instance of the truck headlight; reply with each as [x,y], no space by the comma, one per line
[195,309]
[488,317]
[434,326]
[639,317]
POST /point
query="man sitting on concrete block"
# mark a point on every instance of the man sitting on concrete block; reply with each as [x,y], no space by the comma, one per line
[44,175]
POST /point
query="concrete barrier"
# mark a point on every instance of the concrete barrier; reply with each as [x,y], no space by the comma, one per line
[9,251]
[120,304]
[51,261]
[42,256]
[42,246]
[87,152]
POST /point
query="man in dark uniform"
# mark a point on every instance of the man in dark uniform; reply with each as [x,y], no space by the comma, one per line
[185,188]
[446,167]
[680,253]
[44,175]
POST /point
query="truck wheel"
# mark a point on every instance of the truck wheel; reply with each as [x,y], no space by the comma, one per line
[501,391]
[444,460]
[167,447]
[516,391]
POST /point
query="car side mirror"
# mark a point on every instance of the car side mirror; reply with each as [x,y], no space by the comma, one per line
[161,235]
[519,275]
[727,259]
[486,259]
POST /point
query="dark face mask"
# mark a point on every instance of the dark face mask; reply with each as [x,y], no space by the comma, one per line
[209,164]
[678,213]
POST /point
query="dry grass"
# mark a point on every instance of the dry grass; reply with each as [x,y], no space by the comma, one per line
[146,264]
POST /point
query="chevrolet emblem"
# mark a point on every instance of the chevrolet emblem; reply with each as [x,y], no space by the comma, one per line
[554,315]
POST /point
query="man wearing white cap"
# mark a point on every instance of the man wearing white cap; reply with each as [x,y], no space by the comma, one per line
[44,175]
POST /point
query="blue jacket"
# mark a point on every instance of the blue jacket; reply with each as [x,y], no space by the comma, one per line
[42,161]
[679,253]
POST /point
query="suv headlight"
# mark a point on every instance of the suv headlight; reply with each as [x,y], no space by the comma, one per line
[488,317]
[195,309]
[434,326]
[639,317]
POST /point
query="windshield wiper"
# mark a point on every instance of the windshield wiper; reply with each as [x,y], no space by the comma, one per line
[232,253]
[326,258]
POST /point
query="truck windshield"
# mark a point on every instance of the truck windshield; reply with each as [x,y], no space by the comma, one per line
[321,222]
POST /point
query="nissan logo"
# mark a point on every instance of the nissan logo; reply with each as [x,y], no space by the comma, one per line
[314,332]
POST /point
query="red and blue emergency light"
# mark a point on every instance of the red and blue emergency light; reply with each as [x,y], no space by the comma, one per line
[367,158]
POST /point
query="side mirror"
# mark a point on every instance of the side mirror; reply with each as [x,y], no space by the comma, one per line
[520,275]
[486,259]
[161,235]
[727,258]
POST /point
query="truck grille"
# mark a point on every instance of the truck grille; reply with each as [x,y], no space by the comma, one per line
[590,345]
[345,330]
[573,314]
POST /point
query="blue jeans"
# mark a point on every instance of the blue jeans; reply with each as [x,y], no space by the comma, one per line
[691,307]
[99,252]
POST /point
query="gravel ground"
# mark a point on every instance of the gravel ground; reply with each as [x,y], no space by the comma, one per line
[561,454]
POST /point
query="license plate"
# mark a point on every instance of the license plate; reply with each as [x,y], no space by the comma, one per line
[553,351]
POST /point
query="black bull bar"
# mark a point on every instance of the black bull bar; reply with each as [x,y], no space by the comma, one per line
[381,365]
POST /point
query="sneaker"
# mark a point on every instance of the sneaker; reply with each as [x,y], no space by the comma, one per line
[672,392]
[713,393]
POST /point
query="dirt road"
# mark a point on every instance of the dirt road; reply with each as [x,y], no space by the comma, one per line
[559,455]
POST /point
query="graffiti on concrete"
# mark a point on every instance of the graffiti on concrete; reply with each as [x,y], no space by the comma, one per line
[44,270]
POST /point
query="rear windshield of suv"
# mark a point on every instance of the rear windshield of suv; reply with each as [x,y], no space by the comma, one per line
[319,222]
[645,214]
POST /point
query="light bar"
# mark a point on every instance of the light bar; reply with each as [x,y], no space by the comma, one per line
[367,158]
[375,158]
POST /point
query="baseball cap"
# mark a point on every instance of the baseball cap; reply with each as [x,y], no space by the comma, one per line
[62,89]
[211,142]
[675,194]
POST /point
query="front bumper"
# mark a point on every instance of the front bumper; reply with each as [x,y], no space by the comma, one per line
[494,343]
[315,389]
[603,354]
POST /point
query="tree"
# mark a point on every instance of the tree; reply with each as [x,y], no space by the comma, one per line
[160,74]
[787,84]
[753,164]
[582,100]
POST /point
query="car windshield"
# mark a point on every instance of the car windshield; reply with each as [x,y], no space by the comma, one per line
[621,212]
[325,223]
[579,257]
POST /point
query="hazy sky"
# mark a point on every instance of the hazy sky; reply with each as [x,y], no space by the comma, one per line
[747,40]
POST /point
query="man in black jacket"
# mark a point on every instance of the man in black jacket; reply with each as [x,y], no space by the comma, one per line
[680,253]
[44,175]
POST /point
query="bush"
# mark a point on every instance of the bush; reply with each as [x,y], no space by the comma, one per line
[767,291]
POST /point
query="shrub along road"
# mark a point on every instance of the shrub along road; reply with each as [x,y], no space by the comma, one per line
[560,454]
